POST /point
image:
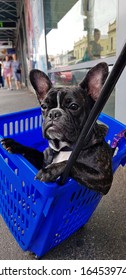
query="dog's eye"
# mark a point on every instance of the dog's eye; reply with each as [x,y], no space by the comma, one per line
[73,106]
[43,106]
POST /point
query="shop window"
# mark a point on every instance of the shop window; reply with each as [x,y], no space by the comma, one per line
[71,26]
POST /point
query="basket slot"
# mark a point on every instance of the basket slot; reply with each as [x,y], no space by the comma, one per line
[22,127]
[31,123]
[6,131]
[26,124]
[11,128]
[72,197]
[36,124]
[16,127]
[40,120]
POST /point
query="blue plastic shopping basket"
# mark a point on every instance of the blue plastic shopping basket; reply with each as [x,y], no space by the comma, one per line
[41,215]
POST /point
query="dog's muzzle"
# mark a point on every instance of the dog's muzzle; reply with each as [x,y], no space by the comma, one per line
[54,114]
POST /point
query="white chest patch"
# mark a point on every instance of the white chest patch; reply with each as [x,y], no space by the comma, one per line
[62,156]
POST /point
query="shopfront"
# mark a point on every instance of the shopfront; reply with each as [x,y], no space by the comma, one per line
[66,38]
[78,35]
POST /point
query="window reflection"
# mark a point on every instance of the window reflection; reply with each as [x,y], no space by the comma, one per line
[94,48]
[65,78]
[78,31]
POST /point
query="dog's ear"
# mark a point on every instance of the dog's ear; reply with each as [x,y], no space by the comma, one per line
[95,79]
[40,82]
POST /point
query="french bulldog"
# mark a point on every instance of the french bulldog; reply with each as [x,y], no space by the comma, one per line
[65,111]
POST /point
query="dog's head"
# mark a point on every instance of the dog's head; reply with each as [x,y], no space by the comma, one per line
[65,109]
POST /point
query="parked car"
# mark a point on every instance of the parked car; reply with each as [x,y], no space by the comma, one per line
[70,77]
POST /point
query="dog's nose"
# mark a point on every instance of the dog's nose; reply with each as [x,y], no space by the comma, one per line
[54,114]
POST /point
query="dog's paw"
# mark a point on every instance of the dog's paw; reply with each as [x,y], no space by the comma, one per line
[51,172]
[11,145]
[44,175]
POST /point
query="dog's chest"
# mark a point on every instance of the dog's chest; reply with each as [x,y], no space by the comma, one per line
[61,156]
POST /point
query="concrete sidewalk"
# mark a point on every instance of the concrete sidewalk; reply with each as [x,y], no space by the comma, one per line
[103,237]
[14,101]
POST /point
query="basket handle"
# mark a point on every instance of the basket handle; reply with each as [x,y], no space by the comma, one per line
[96,110]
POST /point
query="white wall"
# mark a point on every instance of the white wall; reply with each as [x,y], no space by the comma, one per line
[120,98]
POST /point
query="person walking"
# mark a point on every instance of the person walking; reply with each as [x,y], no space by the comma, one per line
[7,72]
[1,75]
[16,71]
